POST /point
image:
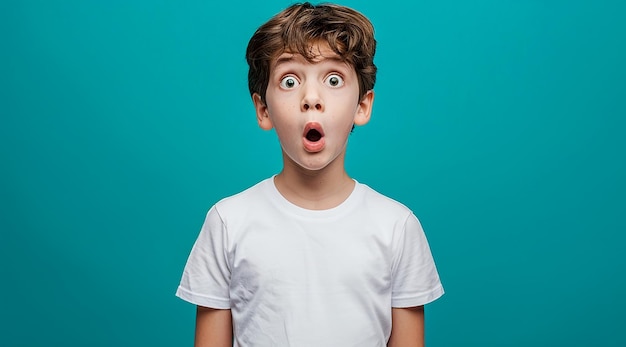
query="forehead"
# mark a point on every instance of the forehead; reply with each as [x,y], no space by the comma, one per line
[317,52]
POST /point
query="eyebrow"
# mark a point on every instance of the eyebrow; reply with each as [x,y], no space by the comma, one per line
[283,59]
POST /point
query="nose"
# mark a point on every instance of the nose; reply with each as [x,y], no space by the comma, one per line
[311,100]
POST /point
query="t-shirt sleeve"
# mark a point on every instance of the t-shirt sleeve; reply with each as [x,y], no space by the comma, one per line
[206,277]
[415,278]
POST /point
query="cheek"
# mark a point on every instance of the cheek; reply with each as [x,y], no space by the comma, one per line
[285,121]
[348,113]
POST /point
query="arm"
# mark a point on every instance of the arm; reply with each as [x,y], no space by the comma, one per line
[214,328]
[407,327]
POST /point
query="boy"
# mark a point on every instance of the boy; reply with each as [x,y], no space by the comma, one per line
[310,257]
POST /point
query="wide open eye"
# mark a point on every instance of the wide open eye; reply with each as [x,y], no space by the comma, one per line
[289,82]
[334,81]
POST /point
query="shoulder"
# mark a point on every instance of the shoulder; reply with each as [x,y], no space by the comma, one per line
[381,210]
[245,204]
[375,202]
[246,200]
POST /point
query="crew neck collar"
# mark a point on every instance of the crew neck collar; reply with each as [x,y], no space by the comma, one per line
[287,206]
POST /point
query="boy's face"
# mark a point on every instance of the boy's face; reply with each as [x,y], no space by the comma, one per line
[312,106]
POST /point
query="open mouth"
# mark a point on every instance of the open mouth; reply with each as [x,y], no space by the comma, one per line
[313,132]
[313,135]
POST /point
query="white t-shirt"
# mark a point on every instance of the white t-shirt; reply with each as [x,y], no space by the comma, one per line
[298,277]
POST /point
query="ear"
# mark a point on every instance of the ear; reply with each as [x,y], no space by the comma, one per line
[364,108]
[262,114]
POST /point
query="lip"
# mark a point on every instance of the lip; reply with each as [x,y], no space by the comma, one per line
[313,146]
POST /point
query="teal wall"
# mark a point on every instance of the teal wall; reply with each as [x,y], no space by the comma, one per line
[500,123]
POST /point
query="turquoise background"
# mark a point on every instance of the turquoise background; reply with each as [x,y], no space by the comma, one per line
[500,123]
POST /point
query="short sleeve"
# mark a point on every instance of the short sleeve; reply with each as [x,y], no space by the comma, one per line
[206,277]
[415,279]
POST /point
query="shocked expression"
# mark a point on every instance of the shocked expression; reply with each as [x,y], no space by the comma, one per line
[312,106]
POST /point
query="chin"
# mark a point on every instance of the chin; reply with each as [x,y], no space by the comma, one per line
[312,161]
[320,162]
[313,166]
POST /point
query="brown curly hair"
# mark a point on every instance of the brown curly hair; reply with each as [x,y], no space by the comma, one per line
[348,33]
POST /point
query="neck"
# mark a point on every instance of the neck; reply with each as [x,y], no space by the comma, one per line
[314,190]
